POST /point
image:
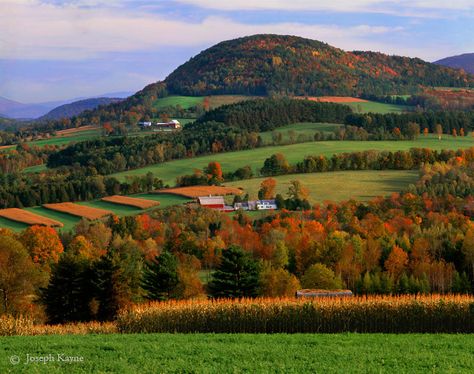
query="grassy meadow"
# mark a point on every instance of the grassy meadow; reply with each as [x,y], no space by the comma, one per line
[187,102]
[375,107]
[361,185]
[254,353]
[230,161]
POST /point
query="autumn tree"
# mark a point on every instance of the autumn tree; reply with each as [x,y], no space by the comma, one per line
[413,130]
[214,172]
[18,276]
[396,261]
[43,244]
[297,191]
[236,276]
[439,130]
[319,276]
[277,282]
[267,189]
[275,165]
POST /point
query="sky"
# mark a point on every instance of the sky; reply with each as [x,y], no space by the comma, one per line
[54,50]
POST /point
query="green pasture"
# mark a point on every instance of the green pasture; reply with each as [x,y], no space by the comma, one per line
[375,107]
[230,161]
[241,353]
[337,186]
[187,102]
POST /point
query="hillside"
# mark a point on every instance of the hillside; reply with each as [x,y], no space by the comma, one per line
[77,107]
[290,65]
[464,61]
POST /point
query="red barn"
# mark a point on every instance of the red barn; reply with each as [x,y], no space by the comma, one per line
[212,202]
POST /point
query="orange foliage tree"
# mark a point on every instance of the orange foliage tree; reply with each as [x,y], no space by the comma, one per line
[43,244]
[267,189]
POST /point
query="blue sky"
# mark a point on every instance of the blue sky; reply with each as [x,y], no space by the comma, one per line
[53,50]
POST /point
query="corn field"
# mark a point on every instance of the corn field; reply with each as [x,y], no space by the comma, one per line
[23,326]
[373,314]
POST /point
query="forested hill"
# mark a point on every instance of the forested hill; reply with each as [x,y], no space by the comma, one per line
[77,107]
[290,65]
[464,61]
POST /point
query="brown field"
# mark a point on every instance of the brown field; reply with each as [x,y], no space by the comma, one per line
[337,99]
[78,210]
[75,130]
[6,146]
[131,201]
[24,216]
[196,191]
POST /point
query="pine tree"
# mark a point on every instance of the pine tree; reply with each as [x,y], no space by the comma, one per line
[160,277]
[236,276]
[68,295]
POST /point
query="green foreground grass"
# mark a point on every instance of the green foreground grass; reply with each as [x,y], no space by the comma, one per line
[294,153]
[227,353]
[337,186]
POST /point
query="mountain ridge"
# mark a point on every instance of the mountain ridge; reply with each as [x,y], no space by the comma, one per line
[463,61]
[268,64]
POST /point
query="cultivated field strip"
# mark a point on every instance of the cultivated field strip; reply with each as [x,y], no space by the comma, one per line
[131,201]
[24,216]
[197,191]
[371,314]
[79,210]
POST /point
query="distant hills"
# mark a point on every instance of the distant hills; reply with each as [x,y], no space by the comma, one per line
[290,65]
[77,107]
[14,109]
[464,61]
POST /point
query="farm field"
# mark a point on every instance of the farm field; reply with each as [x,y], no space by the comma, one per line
[69,221]
[224,353]
[187,102]
[375,107]
[337,186]
[230,161]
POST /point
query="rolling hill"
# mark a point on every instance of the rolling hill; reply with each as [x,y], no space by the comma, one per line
[290,65]
[464,61]
[77,107]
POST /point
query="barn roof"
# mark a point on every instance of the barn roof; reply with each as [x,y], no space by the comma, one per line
[211,200]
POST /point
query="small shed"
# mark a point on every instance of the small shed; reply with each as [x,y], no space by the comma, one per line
[266,204]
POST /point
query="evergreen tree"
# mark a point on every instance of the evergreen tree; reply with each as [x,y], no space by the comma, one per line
[68,295]
[160,277]
[237,275]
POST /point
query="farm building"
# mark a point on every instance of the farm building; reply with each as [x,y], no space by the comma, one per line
[256,205]
[215,202]
[162,126]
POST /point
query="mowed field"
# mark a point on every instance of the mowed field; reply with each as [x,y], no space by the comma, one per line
[70,221]
[235,353]
[338,186]
[230,161]
[187,102]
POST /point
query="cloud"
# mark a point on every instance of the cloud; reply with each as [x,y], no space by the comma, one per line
[387,6]
[35,30]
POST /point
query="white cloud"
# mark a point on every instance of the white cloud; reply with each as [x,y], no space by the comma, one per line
[76,30]
[34,30]
[388,6]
